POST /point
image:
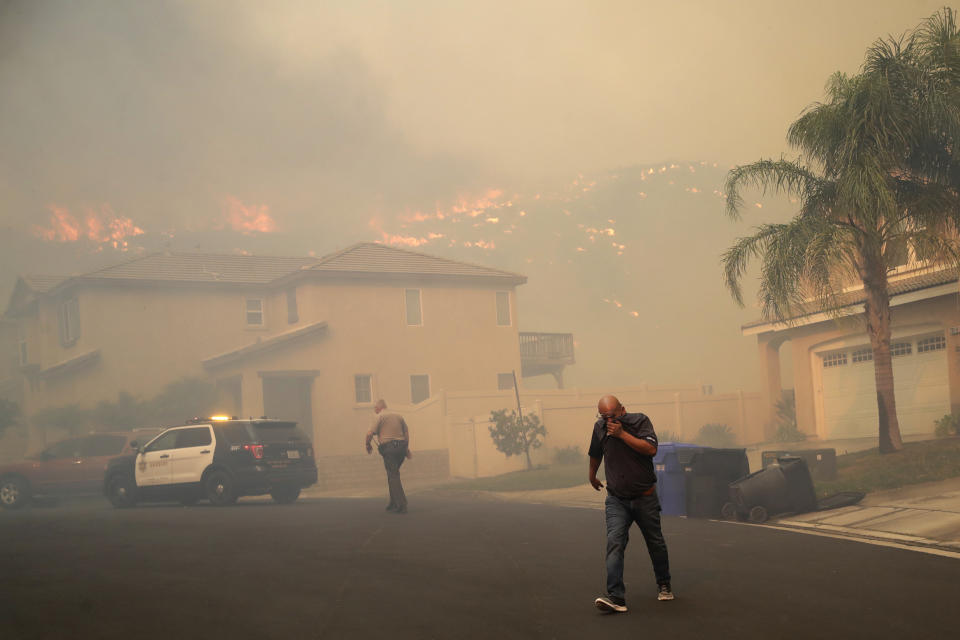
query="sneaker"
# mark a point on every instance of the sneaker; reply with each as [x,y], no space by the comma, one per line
[391,507]
[664,592]
[401,509]
[608,604]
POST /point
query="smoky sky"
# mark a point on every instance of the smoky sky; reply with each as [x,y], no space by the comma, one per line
[344,120]
[327,111]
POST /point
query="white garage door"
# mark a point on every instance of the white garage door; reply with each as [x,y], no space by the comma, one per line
[849,394]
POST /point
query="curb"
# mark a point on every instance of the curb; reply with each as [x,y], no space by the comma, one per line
[879,538]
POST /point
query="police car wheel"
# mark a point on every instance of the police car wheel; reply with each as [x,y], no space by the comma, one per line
[14,492]
[285,495]
[122,491]
[219,489]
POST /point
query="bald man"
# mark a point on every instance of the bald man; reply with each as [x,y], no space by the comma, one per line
[626,443]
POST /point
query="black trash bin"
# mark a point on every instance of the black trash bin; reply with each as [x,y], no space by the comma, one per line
[708,480]
[822,463]
[783,486]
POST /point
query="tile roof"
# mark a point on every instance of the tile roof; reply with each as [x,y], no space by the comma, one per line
[198,267]
[42,283]
[930,277]
[370,258]
[259,346]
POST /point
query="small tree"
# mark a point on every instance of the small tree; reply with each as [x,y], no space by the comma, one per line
[512,438]
[9,414]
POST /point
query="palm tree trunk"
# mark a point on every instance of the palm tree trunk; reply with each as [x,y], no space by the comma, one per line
[877,311]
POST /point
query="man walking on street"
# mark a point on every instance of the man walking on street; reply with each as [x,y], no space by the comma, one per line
[627,443]
[393,439]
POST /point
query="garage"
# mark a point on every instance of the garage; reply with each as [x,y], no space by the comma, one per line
[848,393]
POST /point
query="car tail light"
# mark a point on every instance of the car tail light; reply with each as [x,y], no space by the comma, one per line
[256,450]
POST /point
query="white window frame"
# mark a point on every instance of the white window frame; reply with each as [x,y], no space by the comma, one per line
[901,348]
[369,377]
[834,359]
[508,374]
[68,319]
[406,314]
[509,308]
[293,307]
[864,354]
[429,387]
[931,344]
[247,311]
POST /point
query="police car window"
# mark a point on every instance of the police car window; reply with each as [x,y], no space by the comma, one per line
[279,432]
[64,449]
[235,433]
[102,446]
[193,437]
[166,441]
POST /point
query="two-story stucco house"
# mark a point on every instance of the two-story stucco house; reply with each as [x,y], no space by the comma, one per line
[311,339]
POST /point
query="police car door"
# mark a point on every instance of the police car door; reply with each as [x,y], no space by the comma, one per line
[193,454]
[153,464]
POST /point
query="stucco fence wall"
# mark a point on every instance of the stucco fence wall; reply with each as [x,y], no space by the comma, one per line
[459,421]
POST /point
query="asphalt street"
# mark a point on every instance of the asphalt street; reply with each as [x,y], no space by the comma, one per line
[345,568]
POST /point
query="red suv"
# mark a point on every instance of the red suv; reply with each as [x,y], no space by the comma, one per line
[70,467]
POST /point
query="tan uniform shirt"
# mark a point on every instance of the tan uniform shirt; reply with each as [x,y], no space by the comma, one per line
[390,426]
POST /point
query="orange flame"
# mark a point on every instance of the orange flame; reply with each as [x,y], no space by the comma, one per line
[103,226]
[248,219]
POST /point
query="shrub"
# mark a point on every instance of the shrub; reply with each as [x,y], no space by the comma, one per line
[568,455]
[668,436]
[716,435]
[948,425]
[787,429]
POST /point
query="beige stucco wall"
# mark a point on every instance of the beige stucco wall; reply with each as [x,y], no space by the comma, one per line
[938,313]
[459,346]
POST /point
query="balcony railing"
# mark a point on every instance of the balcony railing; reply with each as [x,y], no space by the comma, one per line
[557,347]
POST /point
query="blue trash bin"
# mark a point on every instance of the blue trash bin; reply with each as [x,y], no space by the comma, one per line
[672,464]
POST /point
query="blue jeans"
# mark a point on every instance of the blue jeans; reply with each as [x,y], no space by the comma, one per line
[621,513]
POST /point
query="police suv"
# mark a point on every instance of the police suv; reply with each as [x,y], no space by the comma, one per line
[220,459]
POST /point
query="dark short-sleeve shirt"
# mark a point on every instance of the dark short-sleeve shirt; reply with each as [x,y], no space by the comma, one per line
[629,473]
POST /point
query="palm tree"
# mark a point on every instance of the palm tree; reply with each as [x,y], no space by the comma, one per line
[878,174]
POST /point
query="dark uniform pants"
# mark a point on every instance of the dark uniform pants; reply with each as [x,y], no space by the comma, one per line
[394,453]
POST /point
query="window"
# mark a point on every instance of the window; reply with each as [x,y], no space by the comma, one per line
[63,449]
[23,353]
[503,308]
[414,315]
[504,381]
[862,355]
[362,391]
[69,321]
[96,446]
[292,314]
[254,311]
[901,349]
[167,440]
[933,343]
[193,437]
[836,359]
[419,388]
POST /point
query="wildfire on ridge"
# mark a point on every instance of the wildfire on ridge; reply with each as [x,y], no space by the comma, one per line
[248,219]
[103,226]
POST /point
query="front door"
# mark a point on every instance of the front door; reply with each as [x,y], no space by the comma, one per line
[193,454]
[153,463]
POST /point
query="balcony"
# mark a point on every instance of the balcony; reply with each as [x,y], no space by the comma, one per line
[543,353]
